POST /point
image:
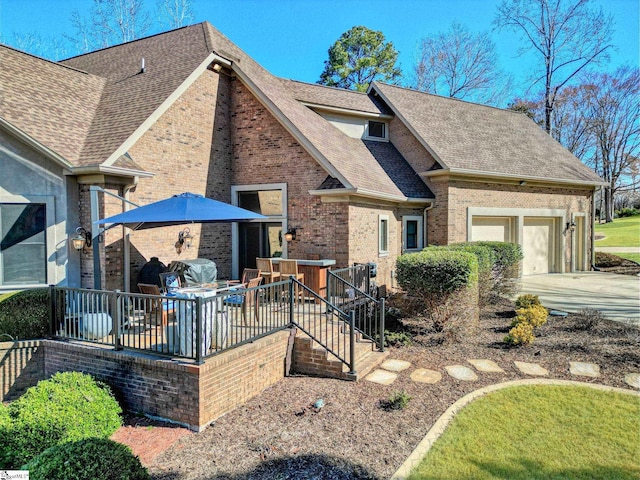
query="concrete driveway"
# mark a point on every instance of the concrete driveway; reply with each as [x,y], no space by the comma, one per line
[616,296]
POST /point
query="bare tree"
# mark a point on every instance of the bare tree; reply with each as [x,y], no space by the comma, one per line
[460,64]
[567,35]
[175,13]
[32,42]
[613,112]
[110,22]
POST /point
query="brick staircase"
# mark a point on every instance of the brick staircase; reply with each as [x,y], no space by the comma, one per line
[311,358]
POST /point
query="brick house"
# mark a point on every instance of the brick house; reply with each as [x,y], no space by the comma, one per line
[361,177]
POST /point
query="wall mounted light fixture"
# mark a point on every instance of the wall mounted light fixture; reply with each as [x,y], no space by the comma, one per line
[571,227]
[81,239]
[290,235]
[184,238]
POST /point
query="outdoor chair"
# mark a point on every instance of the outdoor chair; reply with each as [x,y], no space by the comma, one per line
[265,265]
[156,307]
[245,298]
[289,269]
[249,274]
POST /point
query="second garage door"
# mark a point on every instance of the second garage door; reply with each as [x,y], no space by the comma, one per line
[538,235]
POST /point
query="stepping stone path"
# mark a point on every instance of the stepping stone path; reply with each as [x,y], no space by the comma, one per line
[633,379]
[531,369]
[395,365]
[385,374]
[460,372]
[485,366]
[382,377]
[423,375]
[584,369]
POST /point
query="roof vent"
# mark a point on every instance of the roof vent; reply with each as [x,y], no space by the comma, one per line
[142,69]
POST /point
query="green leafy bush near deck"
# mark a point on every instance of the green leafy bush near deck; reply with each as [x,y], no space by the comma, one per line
[25,315]
[88,459]
[69,406]
[486,261]
[446,281]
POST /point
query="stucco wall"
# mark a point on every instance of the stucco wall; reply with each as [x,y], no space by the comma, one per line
[29,177]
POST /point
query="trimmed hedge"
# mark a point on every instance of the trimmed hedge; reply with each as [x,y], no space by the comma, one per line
[446,282]
[436,271]
[486,261]
[25,315]
[506,268]
[69,406]
[88,459]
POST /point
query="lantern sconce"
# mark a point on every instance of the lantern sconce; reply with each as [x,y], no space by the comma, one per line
[184,239]
[290,236]
[570,227]
[82,239]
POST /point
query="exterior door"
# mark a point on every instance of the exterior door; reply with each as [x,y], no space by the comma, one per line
[259,240]
[579,246]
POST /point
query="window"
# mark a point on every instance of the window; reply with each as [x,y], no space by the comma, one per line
[23,250]
[376,130]
[383,234]
[412,233]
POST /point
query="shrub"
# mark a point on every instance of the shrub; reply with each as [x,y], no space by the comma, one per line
[527,300]
[588,318]
[87,459]
[486,260]
[521,334]
[535,315]
[506,265]
[436,270]
[25,315]
[397,401]
[627,212]
[606,260]
[446,281]
[69,406]
[396,338]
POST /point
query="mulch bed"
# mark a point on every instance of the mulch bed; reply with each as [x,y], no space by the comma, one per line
[279,434]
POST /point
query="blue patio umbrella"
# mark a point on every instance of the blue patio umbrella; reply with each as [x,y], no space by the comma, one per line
[179,210]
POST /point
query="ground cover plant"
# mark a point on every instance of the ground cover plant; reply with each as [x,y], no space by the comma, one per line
[622,232]
[539,432]
[279,435]
[69,406]
[24,314]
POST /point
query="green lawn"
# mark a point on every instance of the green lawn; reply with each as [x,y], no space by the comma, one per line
[622,232]
[540,432]
[634,257]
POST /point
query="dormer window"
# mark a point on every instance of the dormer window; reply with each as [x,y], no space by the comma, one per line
[376,130]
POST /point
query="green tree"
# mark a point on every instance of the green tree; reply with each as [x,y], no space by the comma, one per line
[359,57]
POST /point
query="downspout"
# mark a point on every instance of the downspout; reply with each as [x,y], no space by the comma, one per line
[126,277]
[424,223]
[593,229]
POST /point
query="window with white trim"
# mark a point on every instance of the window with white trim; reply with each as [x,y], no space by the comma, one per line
[376,130]
[383,234]
[23,245]
[412,233]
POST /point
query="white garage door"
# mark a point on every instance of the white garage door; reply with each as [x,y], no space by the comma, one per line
[496,229]
[537,245]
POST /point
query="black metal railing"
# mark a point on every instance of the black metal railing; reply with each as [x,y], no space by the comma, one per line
[350,290]
[189,325]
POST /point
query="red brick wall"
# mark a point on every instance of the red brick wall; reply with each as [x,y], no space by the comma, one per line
[193,395]
[21,367]
[264,152]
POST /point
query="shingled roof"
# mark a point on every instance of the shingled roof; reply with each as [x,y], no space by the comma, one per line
[466,138]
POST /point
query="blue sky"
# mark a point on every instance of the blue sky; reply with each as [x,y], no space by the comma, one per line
[291,37]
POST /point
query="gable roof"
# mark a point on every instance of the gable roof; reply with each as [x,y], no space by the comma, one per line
[476,139]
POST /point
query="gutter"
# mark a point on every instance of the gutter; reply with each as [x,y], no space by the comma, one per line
[339,192]
[511,176]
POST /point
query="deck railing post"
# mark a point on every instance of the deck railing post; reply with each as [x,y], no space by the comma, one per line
[291,299]
[52,310]
[382,314]
[198,330]
[352,342]
[116,314]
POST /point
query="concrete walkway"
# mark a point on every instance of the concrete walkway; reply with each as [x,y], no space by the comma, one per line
[616,296]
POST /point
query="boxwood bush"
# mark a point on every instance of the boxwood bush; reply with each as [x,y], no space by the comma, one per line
[87,459]
[486,261]
[25,315]
[506,268]
[447,282]
[69,406]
